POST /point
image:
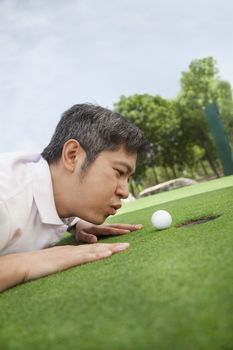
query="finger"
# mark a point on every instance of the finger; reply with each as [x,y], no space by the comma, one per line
[109,231]
[119,247]
[99,250]
[117,229]
[128,227]
[84,237]
[99,247]
[78,255]
[94,256]
[84,254]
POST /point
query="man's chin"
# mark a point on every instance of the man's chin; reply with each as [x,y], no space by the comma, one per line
[95,220]
[100,220]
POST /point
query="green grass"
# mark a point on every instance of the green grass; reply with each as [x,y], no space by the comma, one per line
[171,290]
[187,191]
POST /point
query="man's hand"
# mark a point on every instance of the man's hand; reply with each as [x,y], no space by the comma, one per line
[87,233]
[22,267]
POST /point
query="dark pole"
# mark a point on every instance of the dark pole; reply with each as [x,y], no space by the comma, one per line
[220,138]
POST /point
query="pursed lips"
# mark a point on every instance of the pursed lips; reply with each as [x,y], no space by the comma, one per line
[114,208]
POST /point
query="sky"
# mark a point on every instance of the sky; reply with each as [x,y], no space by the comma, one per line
[56,53]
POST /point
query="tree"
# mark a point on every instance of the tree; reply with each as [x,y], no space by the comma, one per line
[225,105]
[177,129]
[159,120]
[198,89]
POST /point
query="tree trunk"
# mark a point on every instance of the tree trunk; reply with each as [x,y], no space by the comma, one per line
[204,168]
[167,173]
[155,175]
[212,165]
[210,159]
[174,172]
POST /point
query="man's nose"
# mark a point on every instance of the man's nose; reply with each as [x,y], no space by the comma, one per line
[123,189]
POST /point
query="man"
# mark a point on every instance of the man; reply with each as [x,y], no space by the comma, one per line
[75,184]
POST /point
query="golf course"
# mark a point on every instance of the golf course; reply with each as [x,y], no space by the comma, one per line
[172,289]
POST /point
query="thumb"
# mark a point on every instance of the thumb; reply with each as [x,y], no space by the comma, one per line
[84,237]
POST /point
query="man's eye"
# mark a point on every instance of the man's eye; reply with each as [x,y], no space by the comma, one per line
[119,172]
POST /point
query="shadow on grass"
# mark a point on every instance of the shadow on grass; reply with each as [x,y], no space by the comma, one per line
[198,221]
[68,240]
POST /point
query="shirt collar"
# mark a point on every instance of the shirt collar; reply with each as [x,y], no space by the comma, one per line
[43,193]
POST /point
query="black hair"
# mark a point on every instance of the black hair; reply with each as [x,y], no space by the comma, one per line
[96,129]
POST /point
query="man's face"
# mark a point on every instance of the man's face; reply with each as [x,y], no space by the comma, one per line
[98,193]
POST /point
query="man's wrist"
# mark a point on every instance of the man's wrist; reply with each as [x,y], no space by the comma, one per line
[72,226]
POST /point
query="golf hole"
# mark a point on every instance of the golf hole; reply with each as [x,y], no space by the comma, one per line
[198,221]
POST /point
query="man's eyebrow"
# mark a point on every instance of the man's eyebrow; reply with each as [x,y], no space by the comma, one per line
[130,170]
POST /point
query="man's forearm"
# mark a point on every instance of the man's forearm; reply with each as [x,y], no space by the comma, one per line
[12,270]
[22,267]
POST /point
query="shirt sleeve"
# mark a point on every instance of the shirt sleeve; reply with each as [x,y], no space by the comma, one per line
[71,221]
[4,226]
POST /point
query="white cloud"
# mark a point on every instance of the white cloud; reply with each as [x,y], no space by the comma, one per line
[57,53]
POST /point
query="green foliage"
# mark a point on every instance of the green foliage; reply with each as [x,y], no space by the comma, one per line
[158,119]
[225,105]
[171,289]
[177,130]
[197,83]
[201,85]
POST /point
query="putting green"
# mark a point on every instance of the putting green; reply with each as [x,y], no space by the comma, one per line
[183,192]
[171,290]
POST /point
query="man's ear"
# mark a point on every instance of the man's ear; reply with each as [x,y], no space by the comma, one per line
[70,154]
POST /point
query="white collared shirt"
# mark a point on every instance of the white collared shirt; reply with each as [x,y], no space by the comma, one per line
[28,216]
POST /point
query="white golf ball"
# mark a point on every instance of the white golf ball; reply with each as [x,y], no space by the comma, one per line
[161,219]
